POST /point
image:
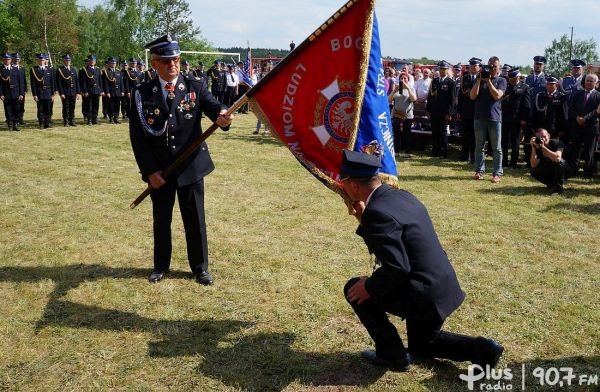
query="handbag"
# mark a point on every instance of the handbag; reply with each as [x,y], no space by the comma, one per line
[398,114]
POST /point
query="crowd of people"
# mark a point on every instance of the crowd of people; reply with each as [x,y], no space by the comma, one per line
[500,105]
[479,102]
[109,85]
[106,88]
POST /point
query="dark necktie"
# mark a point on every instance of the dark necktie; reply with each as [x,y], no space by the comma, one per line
[585,97]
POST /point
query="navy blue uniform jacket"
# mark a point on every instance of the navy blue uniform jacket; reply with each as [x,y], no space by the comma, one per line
[154,153]
[415,270]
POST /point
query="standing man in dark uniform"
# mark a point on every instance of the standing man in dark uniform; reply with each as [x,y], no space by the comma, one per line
[165,121]
[43,88]
[84,99]
[104,99]
[414,279]
[67,84]
[537,84]
[150,74]
[131,79]
[217,81]
[583,116]
[11,92]
[575,81]
[537,80]
[112,84]
[549,110]
[124,102]
[466,111]
[16,63]
[141,71]
[186,72]
[440,101]
[200,72]
[91,88]
[516,107]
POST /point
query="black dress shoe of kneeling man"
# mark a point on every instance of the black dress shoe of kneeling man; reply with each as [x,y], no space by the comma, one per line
[400,364]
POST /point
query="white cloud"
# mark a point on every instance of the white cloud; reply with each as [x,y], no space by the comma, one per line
[514,30]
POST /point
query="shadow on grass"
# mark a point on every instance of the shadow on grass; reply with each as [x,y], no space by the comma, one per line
[70,277]
[258,362]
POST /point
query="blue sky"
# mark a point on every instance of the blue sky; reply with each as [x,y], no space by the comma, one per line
[454,30]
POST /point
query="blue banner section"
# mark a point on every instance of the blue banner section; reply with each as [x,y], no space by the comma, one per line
[375,133]
[246,71]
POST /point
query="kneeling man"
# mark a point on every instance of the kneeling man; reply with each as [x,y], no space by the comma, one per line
[415,279]
[551,161]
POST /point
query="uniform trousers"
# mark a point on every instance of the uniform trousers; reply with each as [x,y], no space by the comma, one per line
[125,106]
[68,109]
[510,139]
[527,135]
[425,336]
[439,136]
[114,106]
[93,101]
[218,94]
[468,140]
[191,205]
[584,144]
[44,111]
[11,110]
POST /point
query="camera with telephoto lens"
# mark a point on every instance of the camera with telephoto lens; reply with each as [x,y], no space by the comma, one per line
[485,72]
[538,141]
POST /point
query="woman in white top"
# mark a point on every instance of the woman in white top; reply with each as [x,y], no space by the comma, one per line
[401,99]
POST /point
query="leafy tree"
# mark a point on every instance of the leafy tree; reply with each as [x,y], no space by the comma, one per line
[136,20]
[11,32]
[557,54]
[172,17]
[47,25]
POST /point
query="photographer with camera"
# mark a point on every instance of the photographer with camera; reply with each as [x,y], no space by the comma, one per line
[551,161]
[487,93]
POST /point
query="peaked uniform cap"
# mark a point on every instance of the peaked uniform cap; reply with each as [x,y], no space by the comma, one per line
[356,164]
[165,46]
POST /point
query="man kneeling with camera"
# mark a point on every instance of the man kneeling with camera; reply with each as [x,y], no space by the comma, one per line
[551,161]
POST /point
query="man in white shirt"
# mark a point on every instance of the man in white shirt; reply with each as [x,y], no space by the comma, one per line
[422,86]
[233,81]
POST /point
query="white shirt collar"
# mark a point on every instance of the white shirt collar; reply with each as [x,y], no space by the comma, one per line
[371,194]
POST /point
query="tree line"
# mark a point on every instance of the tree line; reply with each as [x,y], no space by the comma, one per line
[119,28]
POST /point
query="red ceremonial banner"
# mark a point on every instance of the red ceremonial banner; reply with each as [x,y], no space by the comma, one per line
[310,101]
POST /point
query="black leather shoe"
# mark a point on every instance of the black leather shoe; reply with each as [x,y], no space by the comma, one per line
[490,352]
[401,364]
[204,278]
[157,276]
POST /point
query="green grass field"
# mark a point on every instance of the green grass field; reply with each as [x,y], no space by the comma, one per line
[79,314]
